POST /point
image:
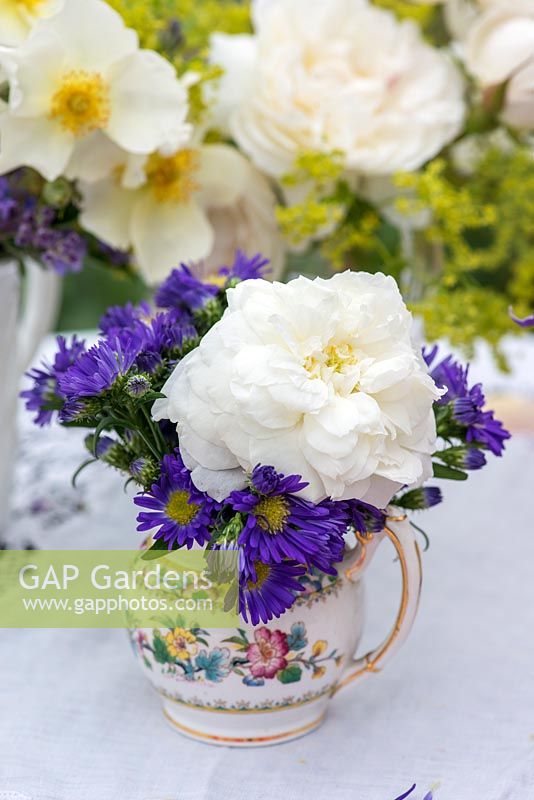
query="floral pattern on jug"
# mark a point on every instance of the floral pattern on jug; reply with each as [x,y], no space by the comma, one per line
[256,657]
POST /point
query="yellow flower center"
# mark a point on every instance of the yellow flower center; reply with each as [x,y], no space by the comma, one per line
[181,643]
[335,357]
[81,104]
[180,509]
[272,513]
[262,573]
[171,178]
[216,280]
[28,5]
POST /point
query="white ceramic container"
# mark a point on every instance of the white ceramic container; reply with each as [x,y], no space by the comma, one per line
[269,684]
[28,310]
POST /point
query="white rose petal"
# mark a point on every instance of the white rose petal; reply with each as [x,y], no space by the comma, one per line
[316,378]
[500,48]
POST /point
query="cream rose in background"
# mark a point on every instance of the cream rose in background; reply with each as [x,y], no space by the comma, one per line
[17,17]
[199,203]
[319,377]
[500,48]
[342,75]
[80,77]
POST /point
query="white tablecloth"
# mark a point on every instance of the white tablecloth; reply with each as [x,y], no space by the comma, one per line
[456,708]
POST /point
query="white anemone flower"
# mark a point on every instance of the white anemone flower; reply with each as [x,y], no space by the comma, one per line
[17,17]
[199,203]
[81,74]
[316,378]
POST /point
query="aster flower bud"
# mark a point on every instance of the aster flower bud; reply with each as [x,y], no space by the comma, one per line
[463,457]
[108,450]
[58,193]
[420,499]
[144,470]
[137,386]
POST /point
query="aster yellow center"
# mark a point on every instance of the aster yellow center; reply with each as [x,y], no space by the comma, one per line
[81,103]
[172,178]
[180,509]
[216,280]
[272,513]
[262,573]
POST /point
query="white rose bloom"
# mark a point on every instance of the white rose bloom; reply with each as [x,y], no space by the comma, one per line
[342,75]
[499,48]
[80,75]
[317,378]
[198,203]
[17,17]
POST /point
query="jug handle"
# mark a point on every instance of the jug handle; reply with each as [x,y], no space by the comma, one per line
[401,534]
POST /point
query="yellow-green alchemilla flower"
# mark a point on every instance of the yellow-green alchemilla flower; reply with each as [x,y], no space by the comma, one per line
[81,78]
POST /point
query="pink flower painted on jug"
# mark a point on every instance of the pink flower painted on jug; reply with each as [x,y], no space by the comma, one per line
[266,656]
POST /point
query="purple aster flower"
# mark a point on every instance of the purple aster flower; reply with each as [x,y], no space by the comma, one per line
[447,373]
[467,403]
[184,292]
[96,370]
[119,318]
[267,590]
[245,267]
[523,322]
[280,525]
[182,514]
[482,427]
[60,250]
[44,397]
[9,208]
[164,336]
[65,253]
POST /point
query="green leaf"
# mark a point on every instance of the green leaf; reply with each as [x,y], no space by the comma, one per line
[100,428]
[290,674]
[237,640]
[442,471]
[161,654]
[157,550]
[80,469]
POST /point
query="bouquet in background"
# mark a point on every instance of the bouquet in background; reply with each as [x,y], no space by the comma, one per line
[385,135]
[99,150]
[275,418]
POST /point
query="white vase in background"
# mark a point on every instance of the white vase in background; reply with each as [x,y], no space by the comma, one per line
[28,309]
